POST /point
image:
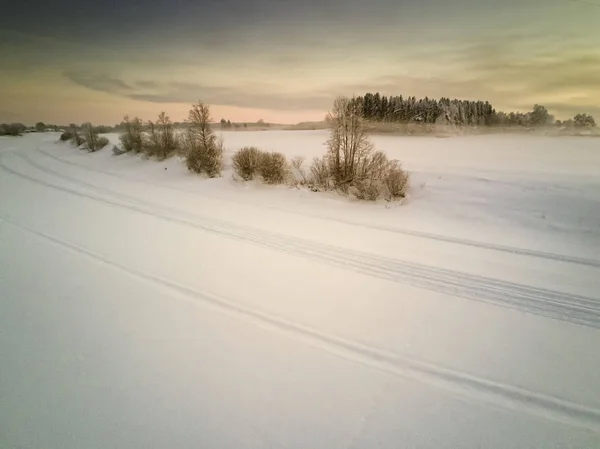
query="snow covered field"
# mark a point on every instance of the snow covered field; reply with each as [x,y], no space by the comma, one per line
[142,306]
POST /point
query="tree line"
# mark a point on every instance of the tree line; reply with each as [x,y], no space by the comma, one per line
[399,109]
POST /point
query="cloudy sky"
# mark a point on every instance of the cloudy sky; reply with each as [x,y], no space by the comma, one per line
[284,60]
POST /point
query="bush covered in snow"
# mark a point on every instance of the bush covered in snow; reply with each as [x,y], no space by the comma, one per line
[246,162]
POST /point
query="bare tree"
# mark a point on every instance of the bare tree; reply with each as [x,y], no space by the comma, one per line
[203,150]
[93,140]
[132,138]
[348,144]
[166,142]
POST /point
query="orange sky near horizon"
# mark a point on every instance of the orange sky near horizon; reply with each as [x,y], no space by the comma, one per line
[284,63]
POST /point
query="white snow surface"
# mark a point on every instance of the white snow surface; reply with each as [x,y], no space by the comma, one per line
[142,306]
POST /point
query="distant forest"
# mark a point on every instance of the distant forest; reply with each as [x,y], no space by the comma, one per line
[390,109]
[399,109]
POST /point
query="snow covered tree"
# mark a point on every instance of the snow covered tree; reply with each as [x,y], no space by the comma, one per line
[584,121]
[539,116]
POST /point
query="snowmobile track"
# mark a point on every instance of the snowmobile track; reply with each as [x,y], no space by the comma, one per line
[425,235]
[461,384]
[565,307]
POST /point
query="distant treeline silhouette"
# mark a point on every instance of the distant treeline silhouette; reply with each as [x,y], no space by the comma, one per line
[399,109]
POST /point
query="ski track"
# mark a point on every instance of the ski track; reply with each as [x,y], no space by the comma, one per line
[565,307]
[458,383]
[413,233]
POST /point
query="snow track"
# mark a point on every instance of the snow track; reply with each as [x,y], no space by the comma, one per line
[481,390]
[561,306]
[136,313]
[426,235]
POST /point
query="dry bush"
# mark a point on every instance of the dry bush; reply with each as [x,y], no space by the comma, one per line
[76,139]
[162,142]
[296,173]
[369,190]
[204,152]
[351,164]
[320,176]
[132,139]
[396,180]
[272,167]
[93,141]
[246,162]
[67,135]
[372,166]
[297,162]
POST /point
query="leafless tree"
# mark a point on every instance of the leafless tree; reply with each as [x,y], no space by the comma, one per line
[203,150]
[348,144]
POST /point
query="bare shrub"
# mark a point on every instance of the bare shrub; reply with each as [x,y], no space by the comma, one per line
[204,153]
[297,162]
[93,141]
[351,164]
[163,142]
[76,139]
[246,162]
[320,176]
[296,173]
[370,189]
[396,180]
[132,139]
[101,142]
[272,167]
[151,142]
[67,135]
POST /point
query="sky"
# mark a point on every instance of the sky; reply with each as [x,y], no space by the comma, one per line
[284,61]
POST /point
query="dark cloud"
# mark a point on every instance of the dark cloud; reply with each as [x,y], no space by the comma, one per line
[99,82]
[250,96]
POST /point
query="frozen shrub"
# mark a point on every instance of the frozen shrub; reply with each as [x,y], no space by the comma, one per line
[297,174]
[246,162]
[65,136]
[320,176]
[297,162]
[92,140]
[162,142]
[272,167]
[351,164]
[76,139]
[204,152]
[396,180]
[132,139]
[369,190]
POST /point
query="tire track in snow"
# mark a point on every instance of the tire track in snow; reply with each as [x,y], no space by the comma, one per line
[565,307]
[459,383]
[412,233]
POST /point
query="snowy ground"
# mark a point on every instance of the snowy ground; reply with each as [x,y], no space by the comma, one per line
[142,306]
